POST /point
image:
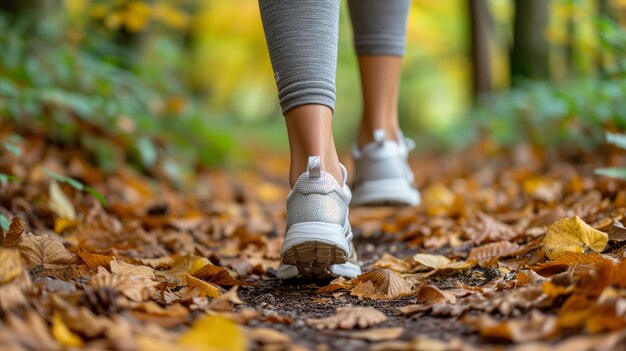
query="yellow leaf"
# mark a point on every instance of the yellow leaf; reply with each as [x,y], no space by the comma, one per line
[572,234]
[60,204]
[432,261]
[206,288]
[63,334]
[10,265]
[60,224]
[213,333]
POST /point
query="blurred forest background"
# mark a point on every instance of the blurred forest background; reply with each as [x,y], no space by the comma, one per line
[175,85]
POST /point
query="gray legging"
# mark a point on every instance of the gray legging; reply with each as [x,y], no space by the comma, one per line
[302,40]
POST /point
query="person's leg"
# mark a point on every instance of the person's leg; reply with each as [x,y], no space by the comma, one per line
[302,41]
[379,37]
[310,133]
[382,172]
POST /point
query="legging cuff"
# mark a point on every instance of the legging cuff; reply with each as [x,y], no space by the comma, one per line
[379,45]
[307,93]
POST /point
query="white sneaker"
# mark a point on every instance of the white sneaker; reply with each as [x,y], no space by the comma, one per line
[382,172]
[318,243]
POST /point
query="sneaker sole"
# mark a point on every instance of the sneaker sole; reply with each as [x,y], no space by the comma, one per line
[314,248]
[314,259]
[385,192]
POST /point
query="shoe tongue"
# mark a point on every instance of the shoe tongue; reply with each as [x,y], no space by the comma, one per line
[379,137]
[314,167]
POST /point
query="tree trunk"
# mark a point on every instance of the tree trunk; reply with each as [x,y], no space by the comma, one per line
[480,27]
[529,57]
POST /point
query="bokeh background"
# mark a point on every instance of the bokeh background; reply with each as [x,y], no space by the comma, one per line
[171,86]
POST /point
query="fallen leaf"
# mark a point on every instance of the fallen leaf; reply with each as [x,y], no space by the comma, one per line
[336,284]
[29,332]
[617,231]
[438,199]
[385,282]
[542,188]
[187,264]
[63,335]
[394,263]
[123,268]
[349,318]
[92,260]
[492,250]
[572,234]
[533,326]
[205,288]
[211,333]
[432,261]
[226,301]
[60,204]
[429,294]
[380,334]
[10,265]
[217,275]
[44,250]
[16,228]
[135,287]
[568,259]
[439,262]
[267,336]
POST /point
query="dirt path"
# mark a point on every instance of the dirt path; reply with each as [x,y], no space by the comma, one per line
[150,270]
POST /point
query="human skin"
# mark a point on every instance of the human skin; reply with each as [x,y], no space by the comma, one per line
[309,127]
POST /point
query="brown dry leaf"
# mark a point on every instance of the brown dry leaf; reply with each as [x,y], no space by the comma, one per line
[135,287]
[30,332]
[419,343]
[336,284]
[542,188]
[46,251]
[386,282]
[492,250]
[123,268]
[92,260]
[349,318]
[380,334]
[392,262]
[429,294]
[572,234]
[187,264]
[16,228]
[205,288]
[533,326]
[10,265]
[160,262]
[604,342]
[11,297]
[267,336]
[617,231]
[217,275]
[568,259]
[226,301]
[490,229]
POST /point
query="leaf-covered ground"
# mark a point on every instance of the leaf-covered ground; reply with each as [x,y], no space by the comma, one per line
[520,250]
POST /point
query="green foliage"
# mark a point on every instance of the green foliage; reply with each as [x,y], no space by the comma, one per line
[105,97]
[549,115]
[76,185]
[4,222]
[618,140]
